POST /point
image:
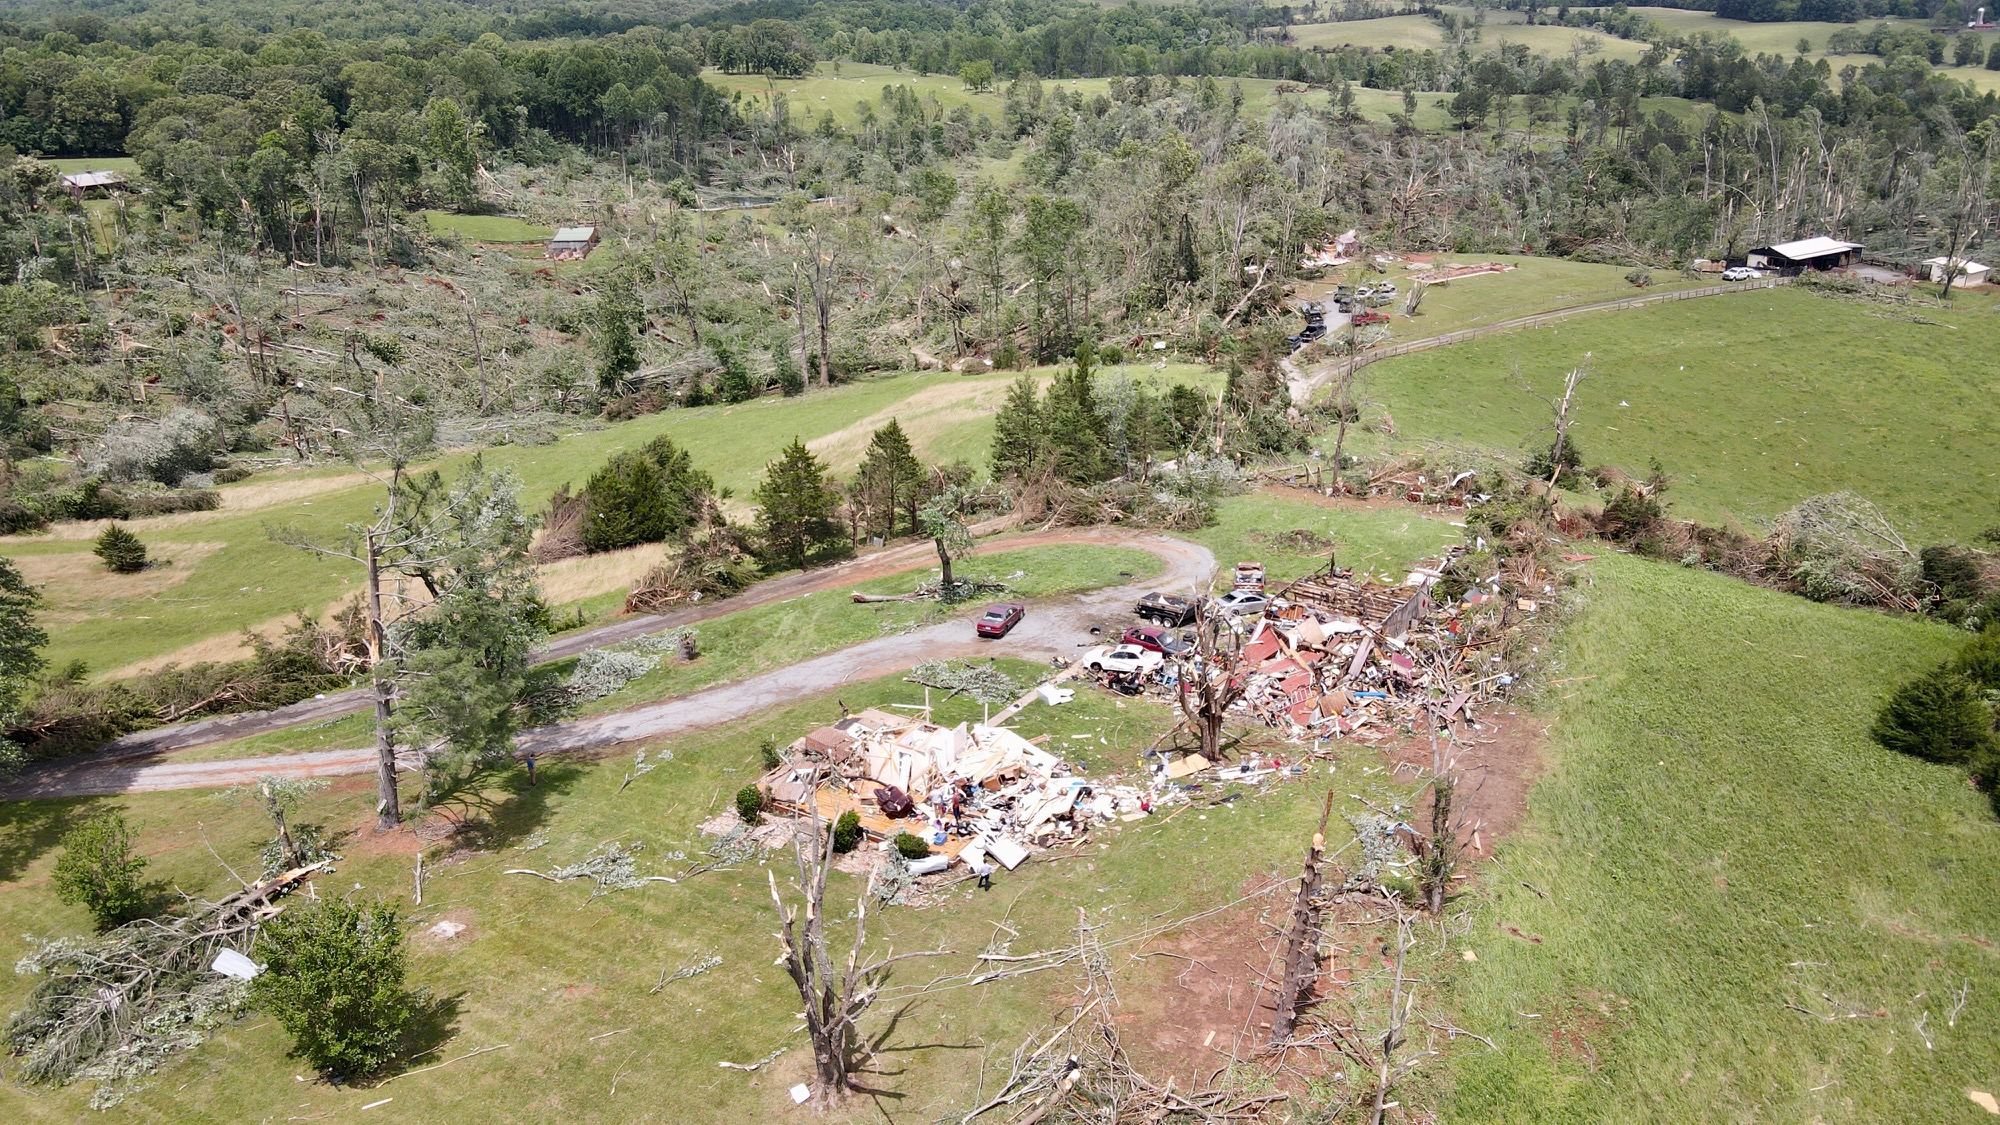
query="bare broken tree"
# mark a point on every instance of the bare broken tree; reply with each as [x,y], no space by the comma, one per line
[1562,411]
[1391,1067]
[1960,186]
[1302,936]
[836,997]
[383,435]
[1208,683]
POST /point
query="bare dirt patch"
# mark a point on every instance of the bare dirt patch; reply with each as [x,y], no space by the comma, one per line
[1202,993]
[1498,765]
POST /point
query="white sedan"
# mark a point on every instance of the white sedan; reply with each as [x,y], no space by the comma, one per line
[1741,273]
[1122,658]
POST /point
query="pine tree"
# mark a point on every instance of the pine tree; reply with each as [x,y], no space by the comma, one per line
[1017,432]
[1075,428]
[891,480]
[628,504]
[796,510]
[121,550]
[1937,717]
[645,496]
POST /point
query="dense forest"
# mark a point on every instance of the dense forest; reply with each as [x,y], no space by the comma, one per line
[303,169]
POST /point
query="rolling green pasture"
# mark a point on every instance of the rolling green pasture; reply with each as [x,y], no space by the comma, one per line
[568,984]
[224,574]
[1752,402]
[486,228]
[1534,285]
[841,94]
[69,164]
[1420,33]
[1765,38]
[1719,840]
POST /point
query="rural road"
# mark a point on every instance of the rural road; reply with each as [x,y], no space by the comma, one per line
[1056,626]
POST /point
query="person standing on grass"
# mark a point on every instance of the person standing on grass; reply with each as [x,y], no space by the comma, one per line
[984,870]
[530,760]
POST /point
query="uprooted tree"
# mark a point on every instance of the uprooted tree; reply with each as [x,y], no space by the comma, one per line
[835,996]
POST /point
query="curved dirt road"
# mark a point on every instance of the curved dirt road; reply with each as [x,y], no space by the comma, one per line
[1054,627]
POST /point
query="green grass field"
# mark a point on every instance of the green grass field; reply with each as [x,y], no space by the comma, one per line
[1534,285]
[1745,420]
[69,164]
[841,94]
[1718,839]
[486,228]
[1421,33]
[227,575]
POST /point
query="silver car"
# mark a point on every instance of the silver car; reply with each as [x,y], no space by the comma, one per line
[1243,603]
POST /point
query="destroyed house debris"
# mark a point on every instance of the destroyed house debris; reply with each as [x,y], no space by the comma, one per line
[972,792]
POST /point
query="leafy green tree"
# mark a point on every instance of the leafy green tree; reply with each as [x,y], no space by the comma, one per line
[735,385]
[463,659]
[121,550]
[890,480]
[977,74]
[21,642]
[1018,437]
[796,510]
[334,980]
[98,871]
[618,318]
[942,519]
[1938,717]
[1073,426]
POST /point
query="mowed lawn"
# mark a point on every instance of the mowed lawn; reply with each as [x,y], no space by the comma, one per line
[1719,842]
[1751,402]
[570,986]
[486,228]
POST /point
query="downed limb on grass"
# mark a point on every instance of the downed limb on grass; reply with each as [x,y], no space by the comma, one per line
[112,1008]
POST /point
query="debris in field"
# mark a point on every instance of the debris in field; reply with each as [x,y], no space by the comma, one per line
[686,971]
[976,789]
[113,1008]
[641,767]
[612,867]
[1984,1101]
[445,931]
[983,682]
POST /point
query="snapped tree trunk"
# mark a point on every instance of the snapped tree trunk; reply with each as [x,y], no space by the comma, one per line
[944,564]
[388,811]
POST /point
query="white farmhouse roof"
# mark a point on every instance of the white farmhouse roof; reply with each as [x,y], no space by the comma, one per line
[1813,248]
[1967,264]
[574,234]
